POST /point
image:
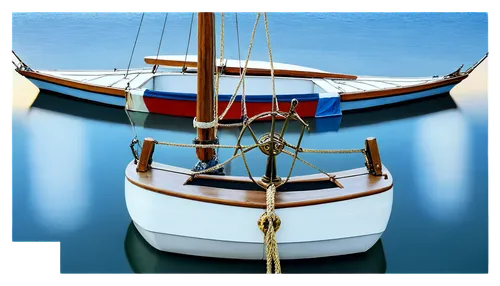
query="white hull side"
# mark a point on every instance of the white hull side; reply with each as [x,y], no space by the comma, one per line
[205,229]
[256,251]
[73,92]
[136,101]
[360,104]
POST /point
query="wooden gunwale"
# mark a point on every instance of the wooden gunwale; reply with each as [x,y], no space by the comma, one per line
[357,183]
[363,95]
[253,71]
[74,84]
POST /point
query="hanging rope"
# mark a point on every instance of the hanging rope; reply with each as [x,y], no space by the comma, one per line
[233,97]
[217,78]
[270,224]
[128,95]
[243,100]
[189,41]
[161,39]
[272,255]
[268,37]
[135,42]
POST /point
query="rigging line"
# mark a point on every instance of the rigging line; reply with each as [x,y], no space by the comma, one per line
[128,98]
[217,78]
[133,49]
[161,39]
[243,101]
[273,115]
[133,125]
[189,41]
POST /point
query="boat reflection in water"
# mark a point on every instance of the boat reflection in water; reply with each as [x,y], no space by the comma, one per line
[58,103]
[143,258]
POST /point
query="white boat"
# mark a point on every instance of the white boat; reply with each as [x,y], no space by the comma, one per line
[199,212]
[171,90]
[221,220]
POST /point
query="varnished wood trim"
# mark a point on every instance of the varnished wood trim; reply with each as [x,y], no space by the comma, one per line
[74,84]
[287,73]
[374,156]
[172,184]
[170,63]
[253,71]
[147,151]
[362,95]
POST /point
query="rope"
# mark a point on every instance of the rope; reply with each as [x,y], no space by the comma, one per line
[243,100]
[128,99]
[268,37]
[211,146]
[228,125]
[272,255]
[133,49]
[205,125]
[244,70]
[217,77]
[305,162]
[189,41]
[161,39]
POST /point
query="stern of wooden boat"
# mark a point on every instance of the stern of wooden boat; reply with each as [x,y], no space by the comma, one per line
[216,216]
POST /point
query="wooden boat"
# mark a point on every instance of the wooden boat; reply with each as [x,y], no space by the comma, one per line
[197,212]
[85,109]
[172,90]
[143,258]
[216,216]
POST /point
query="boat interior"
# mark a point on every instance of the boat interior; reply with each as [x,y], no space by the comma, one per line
[241,191]
[247,191]
[254,85]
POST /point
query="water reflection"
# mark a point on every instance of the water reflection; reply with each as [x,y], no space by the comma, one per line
[404,110]
[60,194]
[174,129]
[143,258]
[88,110]
[441,156]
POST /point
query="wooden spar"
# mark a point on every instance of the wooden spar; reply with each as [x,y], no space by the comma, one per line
[205,84]
[232,69]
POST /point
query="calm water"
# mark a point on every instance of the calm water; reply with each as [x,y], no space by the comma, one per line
[69,156]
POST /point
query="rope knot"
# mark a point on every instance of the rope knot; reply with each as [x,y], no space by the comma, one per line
[269,223]
[267,219]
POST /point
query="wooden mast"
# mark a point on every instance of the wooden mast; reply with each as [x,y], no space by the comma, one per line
[205,84]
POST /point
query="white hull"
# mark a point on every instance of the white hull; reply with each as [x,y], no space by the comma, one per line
[80,94]
[369,103]
[197,228]
[171,92]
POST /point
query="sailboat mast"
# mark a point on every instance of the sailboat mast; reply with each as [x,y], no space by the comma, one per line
[205,84]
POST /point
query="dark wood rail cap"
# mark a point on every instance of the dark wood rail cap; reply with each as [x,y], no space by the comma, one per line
[357,183]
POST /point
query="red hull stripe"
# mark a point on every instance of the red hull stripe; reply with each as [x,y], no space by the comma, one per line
[187,108]
[184,104]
